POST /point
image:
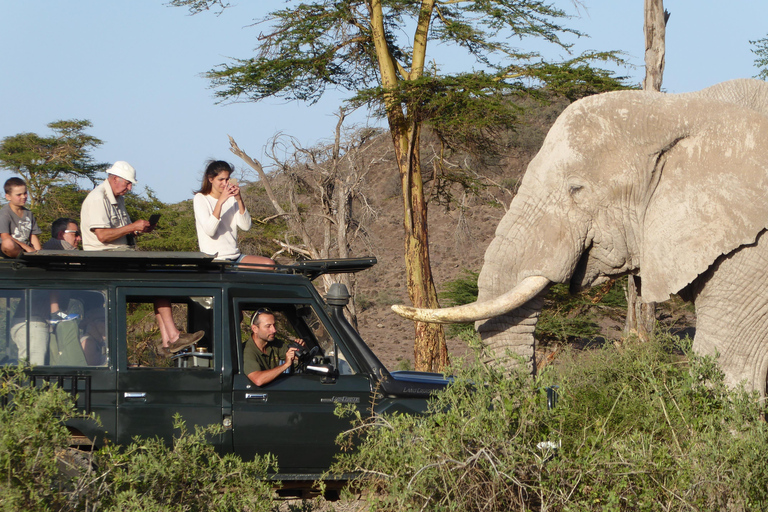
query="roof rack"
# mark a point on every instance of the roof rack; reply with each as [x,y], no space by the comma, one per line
[168,260]
[114,260]
[315,268]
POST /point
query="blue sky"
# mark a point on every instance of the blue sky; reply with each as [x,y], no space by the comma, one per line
[133,68]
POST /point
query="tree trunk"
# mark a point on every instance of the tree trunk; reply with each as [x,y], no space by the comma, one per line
[430,350]
[655,31]
[641,316]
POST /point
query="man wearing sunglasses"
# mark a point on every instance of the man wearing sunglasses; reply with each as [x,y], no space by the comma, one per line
[65,236]
[264,356]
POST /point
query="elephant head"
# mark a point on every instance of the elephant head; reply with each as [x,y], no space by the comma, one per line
[668,187]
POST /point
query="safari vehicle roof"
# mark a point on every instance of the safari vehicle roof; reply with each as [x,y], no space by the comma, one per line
[179,263]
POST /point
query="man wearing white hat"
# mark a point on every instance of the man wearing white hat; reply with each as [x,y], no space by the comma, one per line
[106,226]
[105,223]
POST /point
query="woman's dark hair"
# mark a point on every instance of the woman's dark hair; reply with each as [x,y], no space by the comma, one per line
[214,167]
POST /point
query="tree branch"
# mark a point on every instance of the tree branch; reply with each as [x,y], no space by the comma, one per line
[234,148]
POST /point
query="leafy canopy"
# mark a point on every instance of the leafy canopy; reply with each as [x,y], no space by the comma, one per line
[308,47]
[48,161]
[761,62]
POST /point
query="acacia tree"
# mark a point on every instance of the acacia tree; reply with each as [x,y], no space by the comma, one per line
[48,161]
[377,49]
[761,62]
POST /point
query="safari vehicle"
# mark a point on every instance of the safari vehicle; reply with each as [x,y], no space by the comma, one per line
[134,391]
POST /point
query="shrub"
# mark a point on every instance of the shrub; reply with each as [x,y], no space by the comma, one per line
[636,427]
[31,436]
[189,475]
[41,472]
[567,316]
[461,290]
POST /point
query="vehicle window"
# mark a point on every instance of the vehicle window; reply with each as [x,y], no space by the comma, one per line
[329,347]
[60,327]
[188,319]
[9,303]
[297,321]
[285,329]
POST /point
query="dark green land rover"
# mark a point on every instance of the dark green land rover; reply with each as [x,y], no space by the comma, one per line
[102,346]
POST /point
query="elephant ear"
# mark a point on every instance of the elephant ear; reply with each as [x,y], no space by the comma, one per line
[711,196]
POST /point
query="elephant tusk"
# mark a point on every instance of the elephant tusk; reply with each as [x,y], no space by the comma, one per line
[525,290]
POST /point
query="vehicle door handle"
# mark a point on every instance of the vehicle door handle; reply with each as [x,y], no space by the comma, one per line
[134,395]
[260,397]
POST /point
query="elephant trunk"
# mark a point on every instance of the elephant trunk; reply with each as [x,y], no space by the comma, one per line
[508,339]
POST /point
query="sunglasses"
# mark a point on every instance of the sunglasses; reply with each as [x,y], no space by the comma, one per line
[77,233]
[258,312]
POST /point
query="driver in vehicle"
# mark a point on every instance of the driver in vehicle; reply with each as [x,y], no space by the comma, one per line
[264,356]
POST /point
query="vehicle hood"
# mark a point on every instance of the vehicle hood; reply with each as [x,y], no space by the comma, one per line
[414,384]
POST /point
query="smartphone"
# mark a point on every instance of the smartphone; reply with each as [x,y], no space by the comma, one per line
[154,219]
[233,182]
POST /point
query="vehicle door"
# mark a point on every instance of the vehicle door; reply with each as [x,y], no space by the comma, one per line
[153,388]
[293,416]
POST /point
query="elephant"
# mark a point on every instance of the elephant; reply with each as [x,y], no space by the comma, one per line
[672,188]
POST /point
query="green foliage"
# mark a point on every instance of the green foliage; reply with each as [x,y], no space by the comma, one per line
[567,316]
[761,62]
[175,230]
[462,290]
[60,201]
[404,365]
[190,475]
[564,317]
[31,438]
[311,46]
[636,427]
[47,161]
[40,472]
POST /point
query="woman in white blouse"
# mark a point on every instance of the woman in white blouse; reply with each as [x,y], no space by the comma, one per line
[219,213]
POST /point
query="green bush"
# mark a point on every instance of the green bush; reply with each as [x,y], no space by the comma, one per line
[189,476]
[32,437]
[567,316]
[461,290]
[40,471]
[636,427]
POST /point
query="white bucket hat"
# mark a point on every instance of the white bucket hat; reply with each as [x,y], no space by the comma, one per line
[123,170]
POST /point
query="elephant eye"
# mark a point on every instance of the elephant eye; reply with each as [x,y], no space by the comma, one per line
[574,188]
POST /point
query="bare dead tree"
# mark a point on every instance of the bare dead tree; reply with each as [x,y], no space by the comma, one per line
[335,174]
[656,18]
